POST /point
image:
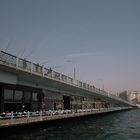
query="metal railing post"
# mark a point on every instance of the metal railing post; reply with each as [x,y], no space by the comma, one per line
[17,59]
[12,116]
[43,71]
[28,115]
[40,115]
[31,66]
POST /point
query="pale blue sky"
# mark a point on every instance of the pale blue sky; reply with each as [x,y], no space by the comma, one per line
[101,38]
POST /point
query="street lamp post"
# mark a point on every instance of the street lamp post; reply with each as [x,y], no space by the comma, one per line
[74,73]
[74,70]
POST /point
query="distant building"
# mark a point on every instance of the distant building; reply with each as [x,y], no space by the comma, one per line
[130,95]
[124,95]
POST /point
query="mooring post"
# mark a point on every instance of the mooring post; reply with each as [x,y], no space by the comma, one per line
[28,115]
[12,116]
[41,115]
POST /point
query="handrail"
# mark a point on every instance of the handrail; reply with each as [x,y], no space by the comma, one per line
[11,115]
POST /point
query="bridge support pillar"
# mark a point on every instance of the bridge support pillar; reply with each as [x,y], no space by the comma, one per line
[66,102]
[40,98]
[1,99]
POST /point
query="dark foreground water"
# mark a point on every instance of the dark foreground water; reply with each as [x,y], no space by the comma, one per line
[115,126]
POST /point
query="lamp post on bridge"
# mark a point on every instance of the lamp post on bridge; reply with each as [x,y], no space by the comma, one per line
[74,70]
[74,73]
[59,66]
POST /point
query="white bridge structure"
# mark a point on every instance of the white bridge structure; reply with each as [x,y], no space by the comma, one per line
[30,86]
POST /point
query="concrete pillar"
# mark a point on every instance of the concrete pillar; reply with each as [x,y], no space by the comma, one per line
[40,98]
[17,59]
[31,101]
[1,99]
[43,70]
[31,68]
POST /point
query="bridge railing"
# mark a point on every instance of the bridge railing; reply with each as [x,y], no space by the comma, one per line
[8,58]
[64,78]
[26,65]
[56,75]
[48,72]
[13,118]
[37,69]
[70,80]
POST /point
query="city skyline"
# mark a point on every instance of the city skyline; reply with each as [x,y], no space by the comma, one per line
[100,39]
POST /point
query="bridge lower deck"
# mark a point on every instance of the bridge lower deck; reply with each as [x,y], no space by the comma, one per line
[40,118]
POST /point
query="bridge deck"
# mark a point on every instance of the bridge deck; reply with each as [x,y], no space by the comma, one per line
[13,62]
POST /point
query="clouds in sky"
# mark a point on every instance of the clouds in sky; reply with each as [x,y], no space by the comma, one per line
[83,54]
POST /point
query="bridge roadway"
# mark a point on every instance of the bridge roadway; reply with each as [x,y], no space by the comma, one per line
[57,115]
[18,71]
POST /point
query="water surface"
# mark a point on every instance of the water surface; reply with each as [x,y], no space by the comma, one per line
[123,125]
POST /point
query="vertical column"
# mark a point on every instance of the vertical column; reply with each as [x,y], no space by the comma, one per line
[52,74]
[31,100]
[31,67]
[40,97]
[1,99]
[23,100]
[60,77]
[17,59]
[43,71]
[66,102]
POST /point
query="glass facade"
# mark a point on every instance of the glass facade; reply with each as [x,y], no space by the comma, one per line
[34,96]
[15,99]
[18,95]
[8,94]
[27,96]
[52,101]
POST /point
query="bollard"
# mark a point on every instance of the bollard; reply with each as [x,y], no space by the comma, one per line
[28,115]
[40,115]
[12,116]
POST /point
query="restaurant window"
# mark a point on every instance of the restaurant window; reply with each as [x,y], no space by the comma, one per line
[34,96]
[8,94]
[27,95]
[18,95]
